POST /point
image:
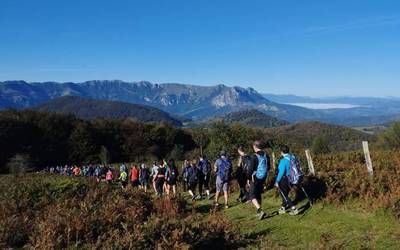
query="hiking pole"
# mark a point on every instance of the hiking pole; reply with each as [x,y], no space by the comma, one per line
[308,197]
[280,191]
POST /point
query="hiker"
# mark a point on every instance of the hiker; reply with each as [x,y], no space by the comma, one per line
[185,168]
[122,168]
[85,171]
[166,166]
[160,179]
[282,182]
[172,176]
[97,173]
[154,171]
[258,173]
[204,176]
[144,177]
[76,171]
[192,178]
[134,176]
[123,177]
[90,170]
[109,176]
[222,168]
[242,173]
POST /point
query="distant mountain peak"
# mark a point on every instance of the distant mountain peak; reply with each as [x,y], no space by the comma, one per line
[192,101]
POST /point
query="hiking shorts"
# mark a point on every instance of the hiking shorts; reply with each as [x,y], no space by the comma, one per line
[192,186]
[171,182]
[144,182]
[221,185]
[256,189]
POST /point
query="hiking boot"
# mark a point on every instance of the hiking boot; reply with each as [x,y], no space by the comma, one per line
[216,204]
[262,215]
[282,210]
[294,211]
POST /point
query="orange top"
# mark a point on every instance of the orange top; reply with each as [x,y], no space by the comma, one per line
[134,174]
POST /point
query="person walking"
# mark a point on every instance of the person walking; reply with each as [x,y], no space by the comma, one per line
[241,174]
[134,176]
[160,180]
[223,169]
[259,167]
[192,179]
[204,167]
[172,177]
[282,182]
[144,176]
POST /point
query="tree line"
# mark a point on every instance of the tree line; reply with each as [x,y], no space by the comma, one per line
[54,139]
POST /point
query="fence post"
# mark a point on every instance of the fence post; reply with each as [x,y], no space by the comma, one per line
[310,162]
[368,160]
[273,160]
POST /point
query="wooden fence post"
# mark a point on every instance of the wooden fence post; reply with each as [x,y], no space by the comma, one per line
[273,160]
[368,160]
[310,162]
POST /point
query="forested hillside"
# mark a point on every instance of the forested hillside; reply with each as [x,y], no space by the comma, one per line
[90,109]
[251,117]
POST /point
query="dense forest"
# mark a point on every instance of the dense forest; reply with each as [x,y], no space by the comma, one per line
[251,117]
[48,139]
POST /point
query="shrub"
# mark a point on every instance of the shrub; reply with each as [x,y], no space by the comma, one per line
[48,212]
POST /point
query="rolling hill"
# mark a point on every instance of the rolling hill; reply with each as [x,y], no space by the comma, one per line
[91,109]
[339,138]
[250,117]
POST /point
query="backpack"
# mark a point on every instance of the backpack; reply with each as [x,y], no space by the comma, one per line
[205,167]
[262,168]
[224,169]
[173,173]
[185,173]
[295,174]
[246,164]
[192,175]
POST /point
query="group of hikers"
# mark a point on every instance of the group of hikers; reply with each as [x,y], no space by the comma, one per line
[251,175]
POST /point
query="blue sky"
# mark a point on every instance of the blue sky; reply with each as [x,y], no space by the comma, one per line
[314,48]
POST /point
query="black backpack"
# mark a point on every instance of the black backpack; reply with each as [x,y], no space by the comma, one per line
[246,164]
[192,174]
[173,173]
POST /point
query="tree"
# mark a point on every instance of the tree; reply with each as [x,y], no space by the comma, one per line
[83,144]
[390,139]
[19,164]
[104,155]
[201,139]
[320,146]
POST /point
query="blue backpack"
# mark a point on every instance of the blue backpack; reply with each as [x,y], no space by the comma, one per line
[262,168]
[224,169]
[295,174]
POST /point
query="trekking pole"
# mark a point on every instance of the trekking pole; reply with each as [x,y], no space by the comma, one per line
[280,191]
[308,197]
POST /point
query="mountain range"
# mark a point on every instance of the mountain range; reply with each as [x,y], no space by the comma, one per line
[194,102]
[200,103]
